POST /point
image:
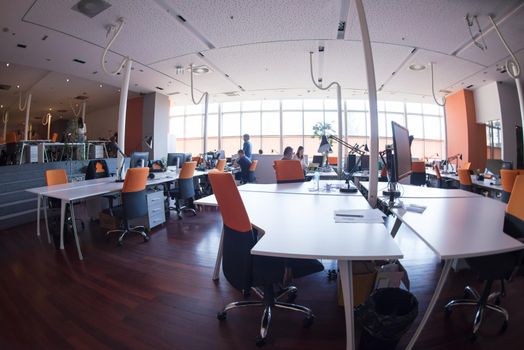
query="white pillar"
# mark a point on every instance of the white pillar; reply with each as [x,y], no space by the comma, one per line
[84,111]
[5,120]
[521,103]
[27,108]
[122,112]
[372,93]
[49,117]
[206,103]
[340,130]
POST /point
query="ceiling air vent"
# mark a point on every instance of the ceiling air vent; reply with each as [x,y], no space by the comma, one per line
[173,93]
[22,46]
[91,8]
[5,87]
[231,93]
[78,61]
[81,97]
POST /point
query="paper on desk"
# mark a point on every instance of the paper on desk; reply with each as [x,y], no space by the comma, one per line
[359,216]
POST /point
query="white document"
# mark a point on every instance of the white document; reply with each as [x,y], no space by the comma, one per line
[359,216]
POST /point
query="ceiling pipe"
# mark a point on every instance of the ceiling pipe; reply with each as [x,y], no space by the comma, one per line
[339,110]
[27,108]
[5,119]
[443,103]
[46,121]
[205,97]
[372,93]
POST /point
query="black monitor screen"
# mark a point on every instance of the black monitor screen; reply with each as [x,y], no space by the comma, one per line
[364,162]
[176,159]
[402,151]
[318,160]
[139,159]
[494,166]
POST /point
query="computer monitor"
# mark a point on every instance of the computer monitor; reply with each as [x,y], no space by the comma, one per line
[494,165]
[507,165]
[351,163]
[221,154]
[318,160]
[176,159]
[139,159]
[401,152]
[364,162]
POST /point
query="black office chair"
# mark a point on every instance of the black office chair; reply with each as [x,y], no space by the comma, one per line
[184,190]
[97,168]
[244,271]
[134,203]
[496,267]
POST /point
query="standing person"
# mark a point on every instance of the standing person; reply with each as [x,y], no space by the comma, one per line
[300,156]
[288,153]
[81,131]
[247,146]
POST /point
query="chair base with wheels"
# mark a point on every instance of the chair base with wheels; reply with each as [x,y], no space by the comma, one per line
[269,302]
[190,207]
[481,302]
[141,230]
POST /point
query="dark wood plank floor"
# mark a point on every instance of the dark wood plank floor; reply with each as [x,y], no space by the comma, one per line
[159,295]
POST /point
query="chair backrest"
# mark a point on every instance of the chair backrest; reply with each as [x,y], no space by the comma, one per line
[54,137]
[238,236]
[464,177]
[288,171]
[467,166]
[197,159]
[188,170]
[418,167]
[134,201]
[97,168]
[507,179]
[221,163]
[516,201]
[55,177]
[332,160]
[11,137]
[253,165]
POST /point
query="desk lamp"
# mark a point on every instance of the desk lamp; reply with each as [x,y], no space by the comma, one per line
[324,147]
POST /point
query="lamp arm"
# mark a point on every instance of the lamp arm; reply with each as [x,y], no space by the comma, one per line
[347,145]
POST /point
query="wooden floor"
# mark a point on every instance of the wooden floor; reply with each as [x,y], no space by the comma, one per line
[159,295]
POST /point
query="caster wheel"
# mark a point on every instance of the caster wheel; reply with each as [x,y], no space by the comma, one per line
[308,321]
[83,226]
[291,297]
[260,341]
[504,327]
[120,243]
[447,312]
[146,238]
[473,338]
[222,315]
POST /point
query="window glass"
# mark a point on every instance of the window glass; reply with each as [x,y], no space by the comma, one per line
[395,106]
[356,105]
[314,104]
[357,123]
[176,127]
[415,126]
[414,108]
[292,104]
[176,110]
[332,118]
[251,106]
[212,125]
[251,123]
[431,108]
[194,109]
[271,123]
[193,127]
[271,105]
[382,128]
[310,119]
[212,108]
[432,128]
[331,104]
[292,123]
[230,106]
[231,124]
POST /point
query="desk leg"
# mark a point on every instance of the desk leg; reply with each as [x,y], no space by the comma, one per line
[433,301]
[38,206]
[216,272]
[62,222]
[46,205]
[396,227]
[73,223]
[346,279]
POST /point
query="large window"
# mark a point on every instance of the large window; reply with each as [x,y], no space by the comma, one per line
[273,124]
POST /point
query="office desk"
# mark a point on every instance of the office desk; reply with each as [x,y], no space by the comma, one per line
[457,228]
[324,175]
[494,190]
[311,232]
[300,188]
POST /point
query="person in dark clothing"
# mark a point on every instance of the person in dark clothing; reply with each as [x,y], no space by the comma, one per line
[247,146]
[242,162]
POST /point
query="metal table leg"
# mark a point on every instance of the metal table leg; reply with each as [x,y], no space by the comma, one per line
[346,279]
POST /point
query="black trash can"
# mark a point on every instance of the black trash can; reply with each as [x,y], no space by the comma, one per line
[385,317]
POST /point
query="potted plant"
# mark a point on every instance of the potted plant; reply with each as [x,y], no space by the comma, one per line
[320,130]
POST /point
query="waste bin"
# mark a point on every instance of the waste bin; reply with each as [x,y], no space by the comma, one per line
[385,317]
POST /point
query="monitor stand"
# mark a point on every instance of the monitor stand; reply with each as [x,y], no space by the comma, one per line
[392,193]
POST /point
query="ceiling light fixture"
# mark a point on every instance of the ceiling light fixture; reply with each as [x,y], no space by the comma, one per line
[91,8]
[7,64]
[67,80]
[417,67]
[100,85]
[199,70]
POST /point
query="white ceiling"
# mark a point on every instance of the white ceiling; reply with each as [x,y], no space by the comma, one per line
[261,46]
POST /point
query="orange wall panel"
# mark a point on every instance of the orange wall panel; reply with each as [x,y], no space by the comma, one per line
[464,135]
[134,115]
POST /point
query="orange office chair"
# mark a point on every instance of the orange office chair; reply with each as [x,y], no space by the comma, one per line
[498,266]
[418,175]
[55,177]
[289,171]
[54,137]
[220,165]
[507,179]
[246,272]
[251,175]
[465,179]
[134,202]
[197,159]
[184,190]
[467,166]
[332,160]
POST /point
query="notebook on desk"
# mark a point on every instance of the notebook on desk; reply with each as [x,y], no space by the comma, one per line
[312,167]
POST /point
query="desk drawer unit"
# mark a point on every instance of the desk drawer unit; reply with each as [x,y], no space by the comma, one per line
[155,208]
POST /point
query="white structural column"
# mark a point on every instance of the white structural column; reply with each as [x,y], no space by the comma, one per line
[206,104]
[340,130]
[372,93]
[5,120]
[27,109]
[521,103]
[122,109]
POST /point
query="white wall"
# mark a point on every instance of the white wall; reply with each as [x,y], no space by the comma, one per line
[487,103]
[102,122]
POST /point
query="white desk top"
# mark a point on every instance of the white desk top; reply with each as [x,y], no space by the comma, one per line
[298,226]
[411,191]
[452,229]
[300,188]
[322,174]
[70,185]
[485,183]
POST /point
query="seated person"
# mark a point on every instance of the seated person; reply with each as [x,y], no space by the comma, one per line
[288,153]
[243,163]
[300,156]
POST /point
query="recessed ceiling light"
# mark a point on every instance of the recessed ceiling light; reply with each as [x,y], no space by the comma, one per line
[199,70]
[1,106]
[100,85]
[417,67]
[67,80]
[18,86]
[91,8]
[7,64]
